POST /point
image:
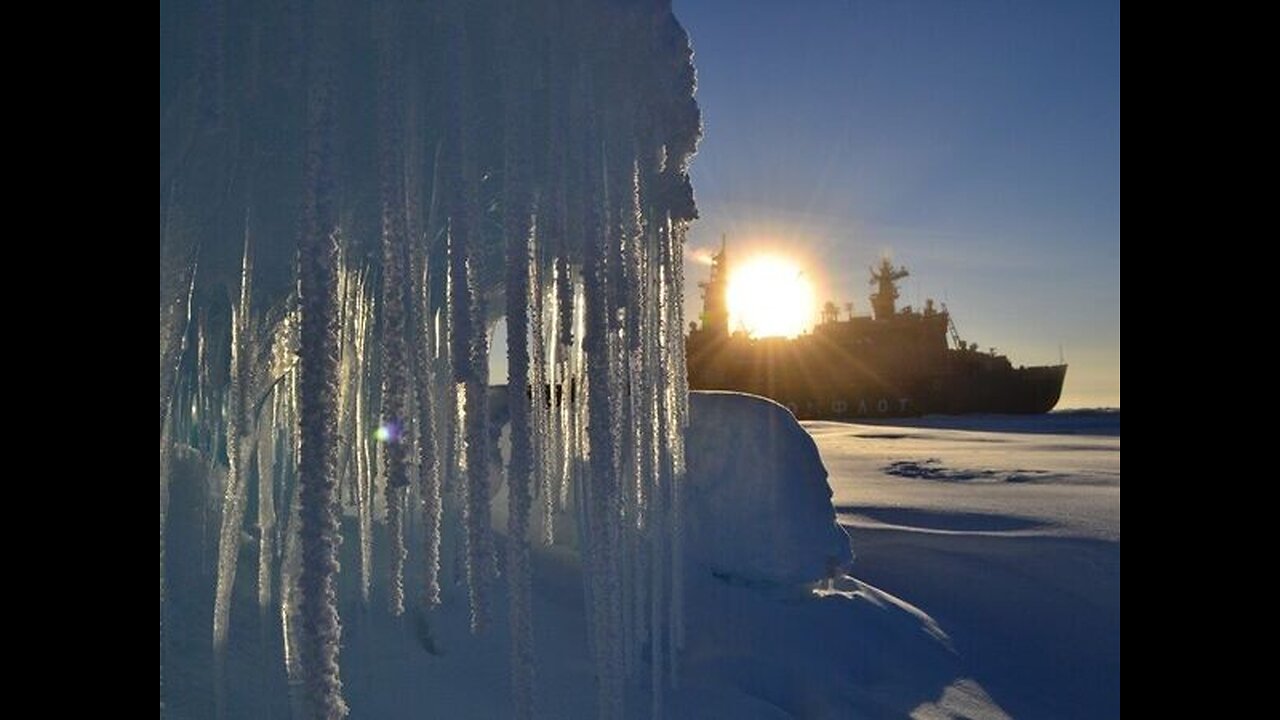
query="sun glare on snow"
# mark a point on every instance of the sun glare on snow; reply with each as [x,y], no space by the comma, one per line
[769,297]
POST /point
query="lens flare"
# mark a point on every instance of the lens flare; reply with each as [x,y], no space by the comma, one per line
[388,432]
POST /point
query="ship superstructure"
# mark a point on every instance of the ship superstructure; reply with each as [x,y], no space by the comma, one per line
[894,362]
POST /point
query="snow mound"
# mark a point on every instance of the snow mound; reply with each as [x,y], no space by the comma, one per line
[759,506]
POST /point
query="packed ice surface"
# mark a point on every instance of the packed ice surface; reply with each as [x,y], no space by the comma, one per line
[1006,530]
[1060,483]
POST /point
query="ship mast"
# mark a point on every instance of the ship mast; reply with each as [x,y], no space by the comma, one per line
[715,307]
[886,277]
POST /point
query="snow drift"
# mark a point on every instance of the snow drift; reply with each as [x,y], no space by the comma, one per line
[759,506]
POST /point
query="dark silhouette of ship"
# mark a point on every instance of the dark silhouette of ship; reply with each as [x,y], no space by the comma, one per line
[890,364]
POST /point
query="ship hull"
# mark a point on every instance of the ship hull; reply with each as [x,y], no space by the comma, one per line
[1024,391]
[819,383]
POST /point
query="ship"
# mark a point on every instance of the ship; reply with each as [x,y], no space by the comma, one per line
[896,362]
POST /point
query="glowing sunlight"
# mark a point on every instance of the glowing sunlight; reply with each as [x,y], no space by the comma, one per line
[768,297]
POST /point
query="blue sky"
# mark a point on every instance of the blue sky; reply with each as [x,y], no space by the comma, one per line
[978,142]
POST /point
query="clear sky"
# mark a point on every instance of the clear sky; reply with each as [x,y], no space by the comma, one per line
[977,141]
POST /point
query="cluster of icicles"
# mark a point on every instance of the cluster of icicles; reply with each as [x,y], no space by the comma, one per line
[591,286]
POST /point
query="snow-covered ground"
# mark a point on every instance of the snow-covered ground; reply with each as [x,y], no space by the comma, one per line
[986,585]
[1006,531]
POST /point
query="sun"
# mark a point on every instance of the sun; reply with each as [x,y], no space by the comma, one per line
[769,297]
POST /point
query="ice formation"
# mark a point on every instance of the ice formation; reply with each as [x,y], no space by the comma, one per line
[395,176]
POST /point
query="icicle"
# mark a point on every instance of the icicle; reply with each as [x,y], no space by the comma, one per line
[395,500]
[360,328]
[175,314]
[470,439]
[468,344]
[680,402]
[461,470]
[317,410]
[542,401]
[175,325]
[567,342]
[603,439]
[479,525]
[239,440]
[431,424]
[519,469]
[394,428]
[266,508]
[523,388]
[423,394]
[290,630]
[576,401]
